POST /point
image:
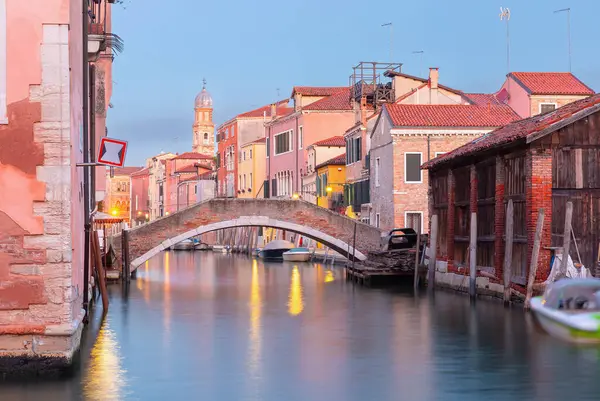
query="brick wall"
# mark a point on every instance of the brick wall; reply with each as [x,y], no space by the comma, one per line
[149,236]
[560,101]
[538,164]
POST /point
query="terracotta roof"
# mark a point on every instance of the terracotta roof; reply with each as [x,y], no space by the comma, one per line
[353,128]
[426,80]
[192,156]
[282,109]
[206,176]
[519,130]
[336,161]
[551,83]
[193,168]
[338,101]
[126,170]
[259,140]
[483,99]
[449,115]
[144,171]
[333,141]
[317,90]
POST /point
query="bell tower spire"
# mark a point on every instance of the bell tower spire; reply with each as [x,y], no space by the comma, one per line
[203,128]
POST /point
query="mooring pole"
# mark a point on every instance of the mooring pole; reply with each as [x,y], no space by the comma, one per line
[354,246]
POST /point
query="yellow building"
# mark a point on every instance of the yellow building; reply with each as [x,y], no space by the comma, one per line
[251,169]
[118,192]
[331,176]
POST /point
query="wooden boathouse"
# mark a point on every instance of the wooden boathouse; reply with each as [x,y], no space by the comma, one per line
[543,161]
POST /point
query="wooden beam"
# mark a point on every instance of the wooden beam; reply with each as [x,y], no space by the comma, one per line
[473,257]
[534,257]
[99,270]
[433,253]
[566,238]
[563,123]
[508,250]
[417,261]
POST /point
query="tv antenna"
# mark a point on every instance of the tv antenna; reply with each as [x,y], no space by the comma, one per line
[421,61]
[505,15]
[568,11]
[391,40]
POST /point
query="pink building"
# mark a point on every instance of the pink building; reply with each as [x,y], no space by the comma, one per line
[319,113]
[178,169]
[140,205]
[41,202]
[532,93]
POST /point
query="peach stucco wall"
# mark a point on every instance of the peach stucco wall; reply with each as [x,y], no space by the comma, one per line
[519,98]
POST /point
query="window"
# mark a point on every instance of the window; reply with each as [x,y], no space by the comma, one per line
[3,112]
[195,189]
[300,137]
[268,149]
[283,142]
[244,182]
[439,153]
[206,138]
[353,150]
[412,168]
[547,107]
[250,181]
[250,154]
[377,221]
[377,165]
[414,220]
[232,131]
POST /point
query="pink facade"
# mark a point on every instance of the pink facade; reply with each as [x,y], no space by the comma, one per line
[41,210]
[178,169]
[140,210]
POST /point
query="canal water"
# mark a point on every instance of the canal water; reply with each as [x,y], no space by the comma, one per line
[204,326]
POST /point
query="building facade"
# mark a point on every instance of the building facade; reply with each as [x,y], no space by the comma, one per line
[330,181]
[140,201]
[403,138]
[42,203]
[117,201]
[235,133]
[177,171]
[316,154]
[319,113]
[251,169]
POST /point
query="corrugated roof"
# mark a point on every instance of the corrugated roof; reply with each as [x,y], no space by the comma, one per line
[518,130]
[551,83]
[449,115]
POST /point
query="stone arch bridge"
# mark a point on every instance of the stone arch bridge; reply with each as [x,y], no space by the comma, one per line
[332,229]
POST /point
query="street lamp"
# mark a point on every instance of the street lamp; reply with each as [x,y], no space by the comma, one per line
[295,196]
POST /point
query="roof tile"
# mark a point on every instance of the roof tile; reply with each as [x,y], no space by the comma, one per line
[338,141]
[339,160]
[552,83]
[193,156]
[318,90]
[449,115]
[516,130]
[126,170]
[337,101]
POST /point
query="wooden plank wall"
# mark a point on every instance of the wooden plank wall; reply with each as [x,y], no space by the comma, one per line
[486,192]
[515,184]
[462,215]
[439,188]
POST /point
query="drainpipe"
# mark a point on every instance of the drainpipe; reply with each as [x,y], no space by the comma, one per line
[92,95]
[86,159]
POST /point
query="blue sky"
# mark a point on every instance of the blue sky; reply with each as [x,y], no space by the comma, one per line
[247,51]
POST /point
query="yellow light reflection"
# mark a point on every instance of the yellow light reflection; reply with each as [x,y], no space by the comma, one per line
[295,302]
[105,379]
[329,277]
[255,315]
[167,297]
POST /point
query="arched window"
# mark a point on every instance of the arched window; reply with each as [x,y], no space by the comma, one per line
[206,138]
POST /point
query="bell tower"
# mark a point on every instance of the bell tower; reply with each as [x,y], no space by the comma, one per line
[204,128]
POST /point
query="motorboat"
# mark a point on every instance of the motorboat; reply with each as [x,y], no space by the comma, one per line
[297,255]
[185,245]
[274,250]
[570,309]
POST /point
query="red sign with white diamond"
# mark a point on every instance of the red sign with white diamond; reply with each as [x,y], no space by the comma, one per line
[112,152]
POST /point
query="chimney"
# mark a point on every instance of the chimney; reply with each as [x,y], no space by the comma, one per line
[434,77]
[273,110]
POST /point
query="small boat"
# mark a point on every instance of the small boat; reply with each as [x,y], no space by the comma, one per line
[274,250]
[220,248]
[202,247]
[185,245]
[297,255]
[570,310]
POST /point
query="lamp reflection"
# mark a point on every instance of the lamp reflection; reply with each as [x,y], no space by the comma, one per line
[329,277]
[255,315]
[295,301]
[105,379]
[146,284]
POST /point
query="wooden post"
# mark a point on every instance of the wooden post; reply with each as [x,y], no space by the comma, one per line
[433,252]
[566,238]
[417,261]
[125,255]
[354,246]
[534,257]
[473,257]
[508,249]
[95,245]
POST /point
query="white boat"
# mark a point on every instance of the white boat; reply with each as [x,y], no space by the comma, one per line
[570,310]
[202,247]
[185,245]
[297,255]
[220,248]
